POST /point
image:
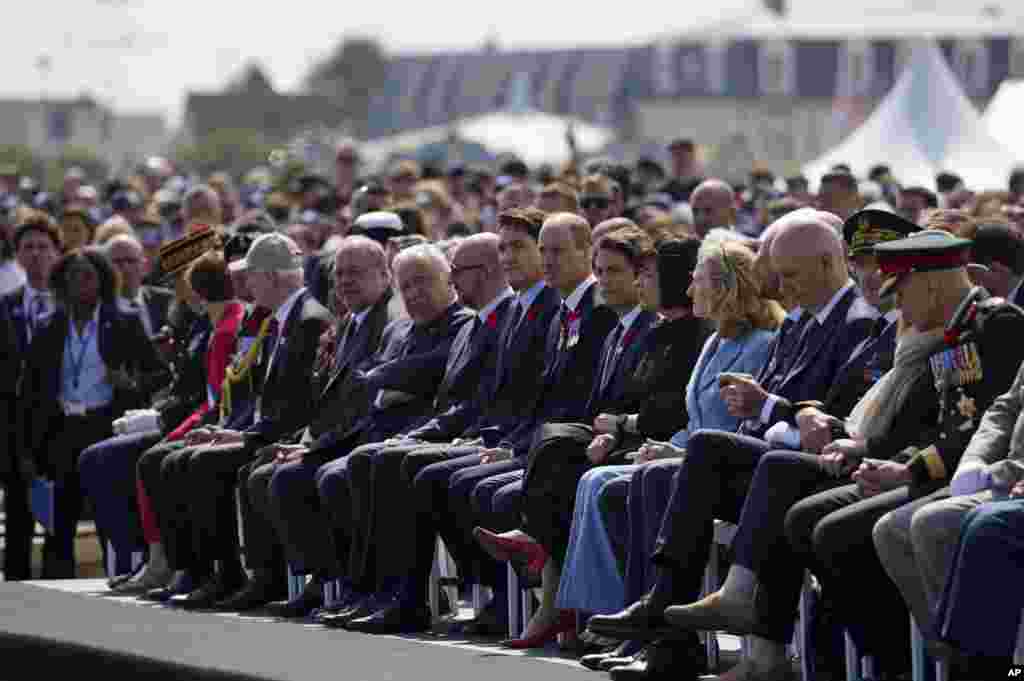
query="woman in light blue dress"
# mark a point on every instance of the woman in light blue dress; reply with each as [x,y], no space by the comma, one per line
[725,291]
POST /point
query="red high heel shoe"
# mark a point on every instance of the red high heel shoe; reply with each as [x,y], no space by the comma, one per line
[510,548]
[565,623]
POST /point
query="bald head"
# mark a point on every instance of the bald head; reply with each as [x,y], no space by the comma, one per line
[476,270]
[713,203]
[810,258]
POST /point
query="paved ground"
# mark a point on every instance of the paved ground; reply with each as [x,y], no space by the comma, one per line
[412,651]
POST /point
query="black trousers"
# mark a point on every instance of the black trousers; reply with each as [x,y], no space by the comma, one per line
[311,542]
[60,464]
[384,533]
[19,527]
[710,484]
[262,547]
[830,532]
[212,476]
[556,462]
[163,472]
[440,512]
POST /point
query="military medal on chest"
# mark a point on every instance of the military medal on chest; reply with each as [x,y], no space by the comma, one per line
[954,369]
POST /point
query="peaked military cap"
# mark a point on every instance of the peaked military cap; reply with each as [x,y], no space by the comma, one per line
[926,251]
[863,230]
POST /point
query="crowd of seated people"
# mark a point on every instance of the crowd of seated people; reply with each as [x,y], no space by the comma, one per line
[573,379]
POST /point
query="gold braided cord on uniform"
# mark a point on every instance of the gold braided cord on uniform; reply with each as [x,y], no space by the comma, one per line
[239,372]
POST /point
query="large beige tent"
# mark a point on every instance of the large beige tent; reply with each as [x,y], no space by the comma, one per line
[923,126]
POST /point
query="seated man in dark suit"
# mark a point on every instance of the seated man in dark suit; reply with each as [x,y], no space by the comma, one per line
[311,505]
[572,364]
[563,451]
[363,286]
[274,273]
[713,476]
[390,546]
[150,303]
[507,387]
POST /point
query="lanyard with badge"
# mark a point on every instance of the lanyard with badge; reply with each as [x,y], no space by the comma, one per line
[73,408]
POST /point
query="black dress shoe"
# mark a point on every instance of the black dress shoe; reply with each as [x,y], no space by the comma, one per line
[215,589]
[622,653]
[394,619]
[180,585]
[311,598]
[665,660]
[258,592]
[638,622]
[362,607]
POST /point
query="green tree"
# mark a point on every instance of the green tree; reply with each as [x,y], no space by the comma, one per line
[96,168]
[235,150]
[22,158]
[351,74]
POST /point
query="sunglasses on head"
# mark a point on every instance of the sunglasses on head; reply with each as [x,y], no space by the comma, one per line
[595,202]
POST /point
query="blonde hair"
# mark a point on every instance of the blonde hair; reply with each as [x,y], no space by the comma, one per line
[737,304]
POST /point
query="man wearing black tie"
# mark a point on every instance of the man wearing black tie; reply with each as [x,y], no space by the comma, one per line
[150,303]
[37,247]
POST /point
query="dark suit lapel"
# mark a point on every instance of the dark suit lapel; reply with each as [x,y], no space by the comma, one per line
[280,353]
[810,344]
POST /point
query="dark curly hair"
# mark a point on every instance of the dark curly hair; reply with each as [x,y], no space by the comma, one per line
[95,257]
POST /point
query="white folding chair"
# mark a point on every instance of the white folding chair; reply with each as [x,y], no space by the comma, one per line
[443,576]
[112,560]
[520,604]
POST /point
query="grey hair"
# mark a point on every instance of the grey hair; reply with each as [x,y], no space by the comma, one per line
[358,242]
[427,253]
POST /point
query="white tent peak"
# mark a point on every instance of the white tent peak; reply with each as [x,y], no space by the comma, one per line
[1002,116]
[923,126]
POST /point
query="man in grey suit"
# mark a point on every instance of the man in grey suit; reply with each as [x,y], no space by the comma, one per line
[917,543]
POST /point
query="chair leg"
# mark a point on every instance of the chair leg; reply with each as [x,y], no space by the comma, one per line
[111,560]
[711,585]
[921,663]
[513,603]
[434,584]
[805,628]
[853,670]
[296,583]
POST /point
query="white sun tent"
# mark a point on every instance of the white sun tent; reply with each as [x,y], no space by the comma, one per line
[1003,116]
[923,126]
[533,136]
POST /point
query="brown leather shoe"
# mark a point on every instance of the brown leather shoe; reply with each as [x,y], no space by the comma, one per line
[713,613]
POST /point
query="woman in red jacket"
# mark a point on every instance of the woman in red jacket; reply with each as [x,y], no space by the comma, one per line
[209,280]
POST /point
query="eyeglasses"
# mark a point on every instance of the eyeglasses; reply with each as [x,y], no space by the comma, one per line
[595,202]
[456,271]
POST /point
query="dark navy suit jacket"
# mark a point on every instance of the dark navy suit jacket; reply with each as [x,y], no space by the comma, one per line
[412,361]
[519,370]
[610,397]
[468,377]
[819,355]
[570,371]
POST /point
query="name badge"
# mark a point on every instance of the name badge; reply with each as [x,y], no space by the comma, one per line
[74,408]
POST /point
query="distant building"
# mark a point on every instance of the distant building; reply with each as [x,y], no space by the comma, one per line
[280,117]
[761,86]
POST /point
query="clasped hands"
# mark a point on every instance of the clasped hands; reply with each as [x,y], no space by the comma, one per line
[815,428]
[872,476]
[213,435]
[744,397]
